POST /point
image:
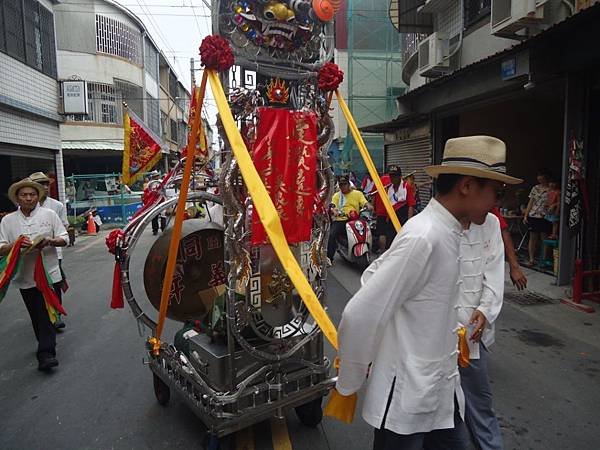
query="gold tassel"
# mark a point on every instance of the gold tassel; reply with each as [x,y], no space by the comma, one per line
[463,348]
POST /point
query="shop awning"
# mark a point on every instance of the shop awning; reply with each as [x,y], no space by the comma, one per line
[401,121]
[93,145]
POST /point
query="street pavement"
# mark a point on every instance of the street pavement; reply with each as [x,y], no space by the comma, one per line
[545,376]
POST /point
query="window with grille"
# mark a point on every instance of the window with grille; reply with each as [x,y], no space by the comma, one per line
[151,60]
[172,84]
[182,133]
[115,38]
[131,94]
[475,10]
[165,129]
[27,34]
[174,131]
[153,114]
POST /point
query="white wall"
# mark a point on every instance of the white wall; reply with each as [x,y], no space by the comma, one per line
[91,132]
[97,68]
[341,59]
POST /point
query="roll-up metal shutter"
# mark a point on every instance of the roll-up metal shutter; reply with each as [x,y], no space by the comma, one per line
[412,154]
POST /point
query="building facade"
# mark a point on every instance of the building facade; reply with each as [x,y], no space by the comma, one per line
[526,71]
[108,50]
[29,94]
[367,50]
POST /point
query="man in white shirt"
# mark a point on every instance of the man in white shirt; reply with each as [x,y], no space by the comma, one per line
[48,202]
[35,222]
[480,301]
[403,322]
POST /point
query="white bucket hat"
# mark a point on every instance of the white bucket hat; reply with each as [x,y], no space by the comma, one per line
[476,156]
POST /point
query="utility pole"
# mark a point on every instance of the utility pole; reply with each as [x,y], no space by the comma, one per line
[192,71]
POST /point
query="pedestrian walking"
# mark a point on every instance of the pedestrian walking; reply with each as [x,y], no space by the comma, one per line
[479,303]
[48,202]
[402,197]
[400,328]
[39,231]
[535,214]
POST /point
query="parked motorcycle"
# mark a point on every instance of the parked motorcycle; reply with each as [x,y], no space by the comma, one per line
[357,245]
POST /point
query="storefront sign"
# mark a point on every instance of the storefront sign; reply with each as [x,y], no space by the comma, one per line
[509,68]
[75,99]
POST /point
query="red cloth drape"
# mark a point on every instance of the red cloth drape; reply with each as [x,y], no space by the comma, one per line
[43,284]
[285,156]
[116,301]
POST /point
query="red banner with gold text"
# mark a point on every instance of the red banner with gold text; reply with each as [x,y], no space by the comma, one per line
[285,156]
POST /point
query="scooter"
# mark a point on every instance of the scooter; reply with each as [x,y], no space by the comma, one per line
[356,246]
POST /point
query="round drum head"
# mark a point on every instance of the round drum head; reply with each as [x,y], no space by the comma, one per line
[199,275]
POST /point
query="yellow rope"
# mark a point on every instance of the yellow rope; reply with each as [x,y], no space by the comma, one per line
[368,161]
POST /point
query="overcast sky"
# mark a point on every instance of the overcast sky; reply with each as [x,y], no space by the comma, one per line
[177,27]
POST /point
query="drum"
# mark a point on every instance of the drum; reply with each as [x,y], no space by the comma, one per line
[200,275]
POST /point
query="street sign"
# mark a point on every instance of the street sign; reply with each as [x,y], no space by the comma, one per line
[509,68]
[75,99]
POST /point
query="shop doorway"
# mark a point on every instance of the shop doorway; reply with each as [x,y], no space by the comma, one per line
[531,123]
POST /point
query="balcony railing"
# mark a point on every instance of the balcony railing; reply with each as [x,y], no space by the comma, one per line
[410,44]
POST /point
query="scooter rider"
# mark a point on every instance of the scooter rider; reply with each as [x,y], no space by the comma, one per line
[343,203]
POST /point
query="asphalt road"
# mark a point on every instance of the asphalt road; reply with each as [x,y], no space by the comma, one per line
[101,397]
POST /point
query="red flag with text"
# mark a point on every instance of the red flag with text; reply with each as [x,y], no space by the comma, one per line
[285,156]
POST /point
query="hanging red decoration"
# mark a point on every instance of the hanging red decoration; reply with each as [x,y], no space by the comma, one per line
[111,240]
[216,53]
[330,77]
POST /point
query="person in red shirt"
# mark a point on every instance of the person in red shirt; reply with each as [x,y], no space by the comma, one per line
[516,274]
[402,197]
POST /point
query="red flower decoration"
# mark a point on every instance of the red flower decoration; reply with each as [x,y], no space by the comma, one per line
[112,238]
[330,77]
[216,54]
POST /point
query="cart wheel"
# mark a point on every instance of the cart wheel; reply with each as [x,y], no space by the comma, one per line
[213,442]
[161,390]
[311,413]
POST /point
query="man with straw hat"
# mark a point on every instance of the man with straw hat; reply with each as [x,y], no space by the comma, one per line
[401,327]
[48,202]
[35,229]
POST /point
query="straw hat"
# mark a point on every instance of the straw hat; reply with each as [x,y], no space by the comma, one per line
[476,156]
[412,172]
[26,182]
[40,177]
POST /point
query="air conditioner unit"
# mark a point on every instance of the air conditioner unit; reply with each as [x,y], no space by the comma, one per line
[433,56]
[511,16]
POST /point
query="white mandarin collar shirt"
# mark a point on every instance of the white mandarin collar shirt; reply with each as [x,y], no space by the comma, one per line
[482,274]
[61,211]
[41,222]
[404,321]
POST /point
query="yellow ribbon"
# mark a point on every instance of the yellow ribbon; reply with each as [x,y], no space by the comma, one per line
[463,348]
[368,161]
[341,407]
[268,214]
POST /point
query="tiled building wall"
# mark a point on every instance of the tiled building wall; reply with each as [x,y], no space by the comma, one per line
[26,85]
[23,129]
